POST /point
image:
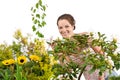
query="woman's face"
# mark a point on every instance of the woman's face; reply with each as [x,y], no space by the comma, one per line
[65,28]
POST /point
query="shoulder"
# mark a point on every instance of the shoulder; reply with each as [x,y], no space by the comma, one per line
[85,34]
[82,33]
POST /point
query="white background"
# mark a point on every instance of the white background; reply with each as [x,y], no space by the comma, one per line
[90,15]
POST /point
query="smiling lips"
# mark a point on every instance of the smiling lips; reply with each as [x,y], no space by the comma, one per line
[65,34]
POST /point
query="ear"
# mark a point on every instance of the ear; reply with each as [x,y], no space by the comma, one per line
[73,27]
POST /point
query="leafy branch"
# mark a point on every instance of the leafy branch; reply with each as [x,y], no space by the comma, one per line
[38,17]
[80,47]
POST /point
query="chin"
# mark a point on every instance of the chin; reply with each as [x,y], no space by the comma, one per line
[65,37]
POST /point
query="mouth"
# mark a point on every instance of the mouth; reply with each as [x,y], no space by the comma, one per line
[65,34]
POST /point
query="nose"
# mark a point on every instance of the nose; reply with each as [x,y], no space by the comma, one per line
[63,29]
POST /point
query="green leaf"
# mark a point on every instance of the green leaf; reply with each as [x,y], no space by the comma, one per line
[34,10]
[39,34]
[74,74]
[71,78]
[37,5]
[43,15]
[33,18]
[92,70]
[40,2]
[99,34]
[33,28]
[39,25]
[43,23]
[38,15]
[35,21]
[44,8]
[31,8]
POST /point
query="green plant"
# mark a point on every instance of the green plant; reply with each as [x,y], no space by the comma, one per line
[38,17]
[25,59]
[80,45]
[18,75]
[114,78]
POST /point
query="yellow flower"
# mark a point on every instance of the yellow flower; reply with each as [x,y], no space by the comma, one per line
[28,53]
[11,61]
[8,62]
[41,64]
[52,60]
[34,57]
[18,34]
[5,62]
[45,66]
[22,60]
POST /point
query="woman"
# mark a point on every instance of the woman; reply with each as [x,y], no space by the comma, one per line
[66,27]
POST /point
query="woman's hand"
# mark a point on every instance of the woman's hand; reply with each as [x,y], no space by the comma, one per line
[101,77]
[97,49]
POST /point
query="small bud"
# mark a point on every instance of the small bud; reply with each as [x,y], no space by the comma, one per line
[115,54]
[91,33]
[114,40]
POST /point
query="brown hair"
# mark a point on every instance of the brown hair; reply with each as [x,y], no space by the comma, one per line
[68,17]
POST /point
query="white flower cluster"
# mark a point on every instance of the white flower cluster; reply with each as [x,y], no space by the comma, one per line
[109,61]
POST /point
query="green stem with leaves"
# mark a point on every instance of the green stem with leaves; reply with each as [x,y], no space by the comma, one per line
[18,74]
[38,17]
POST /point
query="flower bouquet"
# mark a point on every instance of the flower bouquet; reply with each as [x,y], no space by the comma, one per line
[25,59]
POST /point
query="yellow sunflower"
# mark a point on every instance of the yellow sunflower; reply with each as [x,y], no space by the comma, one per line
[34,57]
[5,62]
[11,61]
[22,60]
[8,62]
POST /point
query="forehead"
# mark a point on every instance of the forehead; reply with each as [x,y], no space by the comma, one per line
[63,22]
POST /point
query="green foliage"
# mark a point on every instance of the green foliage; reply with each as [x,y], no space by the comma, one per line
[80,45]
[69,70]
[25,59]
[18,75]
[5,51]
[38,17]
[114,78]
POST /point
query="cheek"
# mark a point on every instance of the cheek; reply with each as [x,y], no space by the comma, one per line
[60,31]
[71,30]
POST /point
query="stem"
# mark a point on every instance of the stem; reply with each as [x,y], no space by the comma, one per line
[81,72]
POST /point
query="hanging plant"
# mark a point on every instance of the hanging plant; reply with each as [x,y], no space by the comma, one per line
[38,17]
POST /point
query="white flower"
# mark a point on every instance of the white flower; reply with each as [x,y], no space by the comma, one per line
[106,54]
[98,56]
[109,57]
[111,62]
[115,54]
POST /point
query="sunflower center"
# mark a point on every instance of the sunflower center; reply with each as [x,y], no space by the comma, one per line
[6,62]
[21,60]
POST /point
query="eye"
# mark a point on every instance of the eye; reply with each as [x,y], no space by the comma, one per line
[60,27]
[66,26]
